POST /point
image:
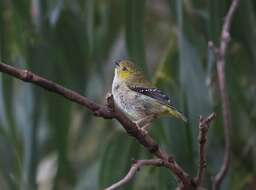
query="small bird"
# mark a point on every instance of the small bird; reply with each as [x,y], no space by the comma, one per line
[138,98]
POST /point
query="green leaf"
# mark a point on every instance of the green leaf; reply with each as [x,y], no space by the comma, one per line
[216,14]
[192,80]
[134,31]
[59,120]
[244,20]
[117,159]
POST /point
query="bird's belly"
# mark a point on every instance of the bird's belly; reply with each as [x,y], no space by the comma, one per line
[136,105]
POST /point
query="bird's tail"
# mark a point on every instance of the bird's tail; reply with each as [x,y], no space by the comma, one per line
[174,112]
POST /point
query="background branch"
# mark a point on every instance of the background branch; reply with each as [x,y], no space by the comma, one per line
[136,166]
[224,40]
[105,111]
[204,124]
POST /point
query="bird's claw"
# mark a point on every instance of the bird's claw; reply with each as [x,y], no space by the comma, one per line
[144,131]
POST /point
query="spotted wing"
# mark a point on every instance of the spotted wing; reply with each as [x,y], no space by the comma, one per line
[154,93]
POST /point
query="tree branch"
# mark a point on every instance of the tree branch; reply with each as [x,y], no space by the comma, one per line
[224,40]
[107,112]
[136,166]
[204,124]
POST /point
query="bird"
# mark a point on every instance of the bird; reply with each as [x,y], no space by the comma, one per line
[138,98]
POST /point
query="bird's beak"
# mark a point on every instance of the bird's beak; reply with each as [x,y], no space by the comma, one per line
[117,64]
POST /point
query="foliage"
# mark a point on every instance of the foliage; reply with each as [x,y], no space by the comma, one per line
[47,142]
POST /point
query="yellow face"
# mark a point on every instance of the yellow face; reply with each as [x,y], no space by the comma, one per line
[125,69]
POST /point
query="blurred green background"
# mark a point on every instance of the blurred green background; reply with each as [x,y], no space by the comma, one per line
[47,142]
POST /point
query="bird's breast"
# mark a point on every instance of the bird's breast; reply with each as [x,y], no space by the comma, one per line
[132,103]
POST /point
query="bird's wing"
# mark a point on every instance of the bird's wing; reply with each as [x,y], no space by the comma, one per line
[161,97]
[154,93]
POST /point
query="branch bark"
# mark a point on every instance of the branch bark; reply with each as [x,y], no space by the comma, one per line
[204,124]
[221,53]
[107,112]
[136,166]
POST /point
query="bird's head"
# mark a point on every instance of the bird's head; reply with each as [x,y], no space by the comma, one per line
[125,70]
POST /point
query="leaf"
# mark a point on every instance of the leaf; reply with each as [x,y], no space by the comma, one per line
[216,14]
[134,31]
[58,110]
[244,20]
[71,48]
[194,93]
[117,159]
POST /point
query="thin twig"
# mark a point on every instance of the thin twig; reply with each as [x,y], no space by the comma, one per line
[224,40]
[107,112]
[136,166]
[204,124]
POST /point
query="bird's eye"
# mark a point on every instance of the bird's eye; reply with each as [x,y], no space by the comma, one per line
[124,69]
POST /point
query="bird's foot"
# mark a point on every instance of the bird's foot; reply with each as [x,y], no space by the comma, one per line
[144,131]
[145,121]
[145,128]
